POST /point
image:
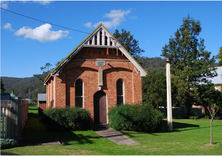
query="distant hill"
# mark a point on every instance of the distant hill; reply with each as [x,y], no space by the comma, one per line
[156,63]
[21,87]
[29,87]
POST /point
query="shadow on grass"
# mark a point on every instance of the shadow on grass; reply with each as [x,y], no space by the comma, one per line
[177,126]
[35,133]
[162,128]
[70,138]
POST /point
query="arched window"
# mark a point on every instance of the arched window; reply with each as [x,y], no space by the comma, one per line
[79,93]
[119,90]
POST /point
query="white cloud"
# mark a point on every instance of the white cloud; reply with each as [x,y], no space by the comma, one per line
[4,5]
[8,26]
[41,33]
[89,24]
[115,16]
[42,2]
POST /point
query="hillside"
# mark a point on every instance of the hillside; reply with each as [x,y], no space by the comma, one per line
[29,87]
[21,87]
[152,63]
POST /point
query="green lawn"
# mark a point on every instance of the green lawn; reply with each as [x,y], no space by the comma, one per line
[189,138]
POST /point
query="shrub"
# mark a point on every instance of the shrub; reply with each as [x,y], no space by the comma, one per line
[7,143]
[204,116]
[191,115]
[216,118]
[178,117]
[61,119]
[142,118]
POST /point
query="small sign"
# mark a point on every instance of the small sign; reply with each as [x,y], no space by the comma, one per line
[100,63]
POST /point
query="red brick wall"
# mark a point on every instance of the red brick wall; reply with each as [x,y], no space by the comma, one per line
[83,66]
[42,106]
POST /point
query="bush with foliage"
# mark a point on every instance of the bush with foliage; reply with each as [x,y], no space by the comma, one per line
[7,143]
[154,90]
[139,117]
[60,119]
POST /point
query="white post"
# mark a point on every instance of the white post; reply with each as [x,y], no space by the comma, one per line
[93,40]
[169,100]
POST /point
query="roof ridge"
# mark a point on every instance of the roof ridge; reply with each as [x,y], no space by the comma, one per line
[81,45]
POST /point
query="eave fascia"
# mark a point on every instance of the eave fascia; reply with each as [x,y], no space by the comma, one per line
[72,53]
[47,78]
[58,68]
[129,56]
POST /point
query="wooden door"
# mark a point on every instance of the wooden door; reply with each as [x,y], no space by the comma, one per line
[100,108]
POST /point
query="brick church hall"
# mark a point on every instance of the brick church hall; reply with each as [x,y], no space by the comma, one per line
[97,75]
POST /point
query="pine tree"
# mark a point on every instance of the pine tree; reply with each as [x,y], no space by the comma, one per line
[128,42]
[190,61]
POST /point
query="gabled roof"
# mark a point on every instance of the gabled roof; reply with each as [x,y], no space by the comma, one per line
[93,40]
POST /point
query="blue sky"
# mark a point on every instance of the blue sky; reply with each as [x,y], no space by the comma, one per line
[26,44]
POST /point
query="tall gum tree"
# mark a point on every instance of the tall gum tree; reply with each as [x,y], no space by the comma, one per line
[190,61]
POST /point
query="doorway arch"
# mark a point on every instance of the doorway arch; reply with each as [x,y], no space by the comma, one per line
[100,116]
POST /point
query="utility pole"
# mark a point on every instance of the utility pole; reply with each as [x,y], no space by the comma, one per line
[169,99]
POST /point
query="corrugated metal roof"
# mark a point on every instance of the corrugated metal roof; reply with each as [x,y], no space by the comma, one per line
[42,97]
[218,78]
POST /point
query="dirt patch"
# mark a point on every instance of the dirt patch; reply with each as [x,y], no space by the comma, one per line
[210,144]
[73,152]
[84,151]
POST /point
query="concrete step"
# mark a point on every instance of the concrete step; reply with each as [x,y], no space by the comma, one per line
[116,137]
[98,127]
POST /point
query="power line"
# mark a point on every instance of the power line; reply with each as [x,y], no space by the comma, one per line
[44,21]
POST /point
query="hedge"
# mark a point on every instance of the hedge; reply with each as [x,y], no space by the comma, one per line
[61,119]
[7,143]
[139,117]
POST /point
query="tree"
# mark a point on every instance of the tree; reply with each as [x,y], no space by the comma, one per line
[58,62]
[213,109]
[190,61]
[211,99]
[219,56]
[2,86]
[45,70]
[154,89]
[128,42]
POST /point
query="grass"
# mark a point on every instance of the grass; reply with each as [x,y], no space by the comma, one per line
[188,138]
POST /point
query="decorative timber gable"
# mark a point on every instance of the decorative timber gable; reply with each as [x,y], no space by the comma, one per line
[99,38]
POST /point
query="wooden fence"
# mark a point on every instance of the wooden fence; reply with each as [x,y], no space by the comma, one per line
[14,114]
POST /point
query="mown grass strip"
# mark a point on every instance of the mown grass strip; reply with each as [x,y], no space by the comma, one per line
[188,138]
